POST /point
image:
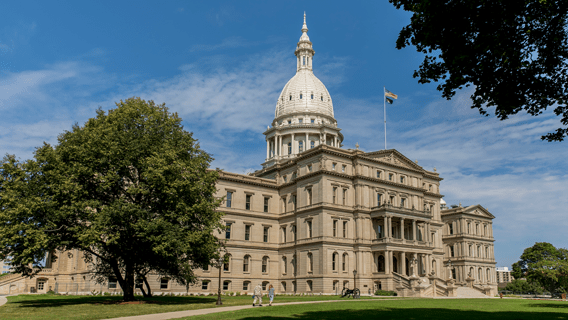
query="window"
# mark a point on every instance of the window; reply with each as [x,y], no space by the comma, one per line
[344,229]
[477,229]
[322,98]
[452,251]
[343,168]
[485,230]
[227,264]
[228,231]
[112,283]
[284,286]
[283,204]
[334,194]
[206,268]
[312,144]
[229,198]
[264,285]
[470,251]
[290,121]
[284,265]
[309,228]
[290,100]
[378,174]
[246,262]
[429,187]
[451,227]
[478,251]
[344,197]
[289,147]
[402,202]
[294,232]
[380,231]
[469,228]
[264,265]
[294,201]
[333,166]
[266,204]
[391,200]
[204,284]
[247,232]
[313,120]
[246,285]
[265,235]
[334,261]
[344,262]
[304,60]
[301,95]
[401,179]
[226,284]
[309,196]
[285,179]
[391,176]
[310,168]
[381,264]
[309,282]
[486,252]
[164,283]
[138,283]
[335,228]
[310,262]
[247,204]
[379,199]
[312,96]
[40,285]
[301,145]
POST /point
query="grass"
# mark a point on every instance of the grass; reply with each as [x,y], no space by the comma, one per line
[48,307]
[423,309]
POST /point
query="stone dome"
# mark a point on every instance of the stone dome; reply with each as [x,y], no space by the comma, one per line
[304,93]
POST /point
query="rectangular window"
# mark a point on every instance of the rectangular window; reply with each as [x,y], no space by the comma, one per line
[333,166]
[204,285]
[294,232]
[335,228]
[310,168]
[344,197]
[245,286]
[451,251]
[378,199]
[294,201]
[40,285]
[334,194]
[229,198]
[228,231]
[301,120]
[313,120]
[283,234]
[225,285]
[344,229]
[343,168]
[247,232]
[402,202]
[391,176]
[284,204]
[309,229]
[112,283]
[378,174]
[266,204]
[451,228]
[164,283]
[265,235]
[226,265]
[309,196]
[401,179]
[247,204]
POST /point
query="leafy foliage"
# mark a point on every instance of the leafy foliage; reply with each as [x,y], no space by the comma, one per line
[513,52]
[130,188]
[544,265]
[523,286]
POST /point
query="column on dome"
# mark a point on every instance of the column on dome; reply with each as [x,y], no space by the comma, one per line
[324,138]
[335,141]
[293,144]
[306,147]
[267,149]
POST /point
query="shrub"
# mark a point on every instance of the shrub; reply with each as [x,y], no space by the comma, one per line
[385,293]
[238,293]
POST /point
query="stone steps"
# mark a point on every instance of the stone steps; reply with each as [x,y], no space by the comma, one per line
[466,292]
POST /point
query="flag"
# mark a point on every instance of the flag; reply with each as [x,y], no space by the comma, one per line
[390,94]
[389,100]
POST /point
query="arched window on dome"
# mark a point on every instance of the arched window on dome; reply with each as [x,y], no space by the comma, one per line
[312,96]
[301,96]
[304,60]
[321,98]
[301,146]
[291,98]
[289,147]
[312,144]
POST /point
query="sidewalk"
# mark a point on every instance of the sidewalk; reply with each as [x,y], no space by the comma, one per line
[188,313]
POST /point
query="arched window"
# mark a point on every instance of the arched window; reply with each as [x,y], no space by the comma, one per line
[488,275]
[226,284]
[322,98]
[334,261]
[310,262]
[289,147]
[283,283]
[301,96]
[265,264]
[265,285]
[227,264]
[470,250]
[309,283]
[246,262]
[434,266]
[284,265]
[246,285]
[312,96]
[471,273]
[479,251]
[479,275]
[312,144]
[301,145]
[381,264]
[344,262]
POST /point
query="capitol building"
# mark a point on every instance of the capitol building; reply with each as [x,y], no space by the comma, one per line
[318,218]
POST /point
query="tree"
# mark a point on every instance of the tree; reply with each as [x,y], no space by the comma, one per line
[523,286]
[514,53]
[130,188]
[544,265]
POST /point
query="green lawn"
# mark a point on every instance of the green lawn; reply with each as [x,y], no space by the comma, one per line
[103,307]
[447,309]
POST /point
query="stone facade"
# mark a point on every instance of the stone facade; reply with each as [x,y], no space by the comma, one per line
[317,218]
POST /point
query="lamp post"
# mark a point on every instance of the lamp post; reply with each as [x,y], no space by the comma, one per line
[354,275]
[221,260]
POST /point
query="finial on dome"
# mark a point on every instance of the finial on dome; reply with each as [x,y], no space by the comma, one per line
[305,26]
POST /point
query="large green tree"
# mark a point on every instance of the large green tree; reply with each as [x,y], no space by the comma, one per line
[544,265]
[514,53]
[131,189]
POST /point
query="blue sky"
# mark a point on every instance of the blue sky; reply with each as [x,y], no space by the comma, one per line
[221,66]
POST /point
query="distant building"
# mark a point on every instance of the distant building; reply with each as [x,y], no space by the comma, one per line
[504,275]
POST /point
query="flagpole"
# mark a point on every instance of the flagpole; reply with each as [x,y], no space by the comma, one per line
[385,113]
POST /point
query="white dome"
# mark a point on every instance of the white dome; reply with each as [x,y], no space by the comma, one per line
[442,202]
[304,93]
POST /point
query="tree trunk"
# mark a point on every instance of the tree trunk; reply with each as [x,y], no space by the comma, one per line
[147,286]
[128,288]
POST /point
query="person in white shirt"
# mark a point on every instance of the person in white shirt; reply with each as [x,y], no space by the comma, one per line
[257,295]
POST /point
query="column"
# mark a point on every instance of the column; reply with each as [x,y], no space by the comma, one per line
[279,145]
[415,265]
[387,262]
[267,149]
[428,263]
[335,141]
[389,228]
[385,230]
[414,230]
[324,138]
[402,228]
[293,144]
[402,263]
[320,139]
[307,143]
[428,232]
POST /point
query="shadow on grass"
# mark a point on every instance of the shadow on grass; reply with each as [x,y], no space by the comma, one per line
[410,313]
[559,305]
[61,301]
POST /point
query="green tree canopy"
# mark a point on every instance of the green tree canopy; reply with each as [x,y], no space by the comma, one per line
[544,265]
[523,286]
[514,53]
[131,188]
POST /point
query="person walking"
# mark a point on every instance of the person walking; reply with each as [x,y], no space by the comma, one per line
[257,295]
[270,294]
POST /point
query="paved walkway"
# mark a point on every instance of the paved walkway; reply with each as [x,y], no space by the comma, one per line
[188,313]
[3,300]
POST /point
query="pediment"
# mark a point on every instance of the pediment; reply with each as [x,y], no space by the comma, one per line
[393,157]
[478,210]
